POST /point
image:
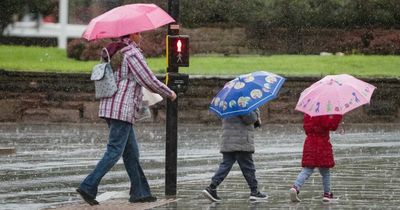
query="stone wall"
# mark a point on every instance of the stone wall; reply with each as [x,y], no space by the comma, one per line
[51,97]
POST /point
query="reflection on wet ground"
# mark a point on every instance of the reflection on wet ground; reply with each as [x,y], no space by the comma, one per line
[51,160]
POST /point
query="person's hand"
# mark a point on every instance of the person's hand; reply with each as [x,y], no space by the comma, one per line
[173,97]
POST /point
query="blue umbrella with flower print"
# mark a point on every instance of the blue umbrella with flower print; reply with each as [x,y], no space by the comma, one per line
[246,93]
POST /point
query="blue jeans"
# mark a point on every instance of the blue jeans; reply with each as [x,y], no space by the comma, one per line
[246,164]
[306,173]
[121,142]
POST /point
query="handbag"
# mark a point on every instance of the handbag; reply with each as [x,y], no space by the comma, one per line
[103,77]
[149,99]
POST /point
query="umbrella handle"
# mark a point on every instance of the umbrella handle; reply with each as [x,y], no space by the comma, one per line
[108,55]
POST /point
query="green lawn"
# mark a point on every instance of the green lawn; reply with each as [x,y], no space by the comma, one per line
[55,60]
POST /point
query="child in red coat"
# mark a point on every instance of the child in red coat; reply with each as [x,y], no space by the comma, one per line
[317,153]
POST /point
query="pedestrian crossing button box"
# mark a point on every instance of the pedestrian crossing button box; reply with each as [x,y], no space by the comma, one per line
[177,81]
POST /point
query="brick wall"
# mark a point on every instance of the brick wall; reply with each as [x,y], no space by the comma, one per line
[50,97]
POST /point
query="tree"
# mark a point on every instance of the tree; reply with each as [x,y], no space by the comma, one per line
[11,10]
[219,12]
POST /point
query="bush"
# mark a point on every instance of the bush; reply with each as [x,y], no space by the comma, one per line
[93,49]
[80,49]
[258,32]
[75,48]
[350,43]
[262,40]
[153,45]
[388,44]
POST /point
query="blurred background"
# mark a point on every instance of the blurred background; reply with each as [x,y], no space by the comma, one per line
[224,26]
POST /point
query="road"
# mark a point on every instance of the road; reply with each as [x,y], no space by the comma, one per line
[52,159]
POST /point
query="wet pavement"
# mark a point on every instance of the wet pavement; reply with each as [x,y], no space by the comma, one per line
[51,160]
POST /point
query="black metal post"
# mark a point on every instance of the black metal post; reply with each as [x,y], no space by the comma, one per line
[172,119]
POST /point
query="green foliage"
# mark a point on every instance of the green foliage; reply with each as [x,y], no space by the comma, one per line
[41,7]
[292,13]
[211,12]
[229,13]
[11,10]
[8,8]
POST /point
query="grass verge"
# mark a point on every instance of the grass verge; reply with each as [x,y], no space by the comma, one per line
[50,59]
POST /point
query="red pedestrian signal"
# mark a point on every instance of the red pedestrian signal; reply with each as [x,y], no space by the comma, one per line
[179,46]
[177,50]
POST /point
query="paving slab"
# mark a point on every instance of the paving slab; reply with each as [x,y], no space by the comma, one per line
[7,150]
[118,204]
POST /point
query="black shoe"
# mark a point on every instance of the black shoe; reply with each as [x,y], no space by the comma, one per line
[89,199]
[143,200]
[211,194]
[258,196]
[328,197]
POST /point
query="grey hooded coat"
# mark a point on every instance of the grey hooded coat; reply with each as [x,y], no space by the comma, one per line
[238,133]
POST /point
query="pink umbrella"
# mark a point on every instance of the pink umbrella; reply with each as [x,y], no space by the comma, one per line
[334,94]
[127,19]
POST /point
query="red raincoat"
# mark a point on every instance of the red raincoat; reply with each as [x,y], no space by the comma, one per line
[317,149]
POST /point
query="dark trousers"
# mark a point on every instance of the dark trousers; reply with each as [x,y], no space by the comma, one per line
[246,164]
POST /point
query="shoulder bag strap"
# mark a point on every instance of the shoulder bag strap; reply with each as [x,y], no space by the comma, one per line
[108,55]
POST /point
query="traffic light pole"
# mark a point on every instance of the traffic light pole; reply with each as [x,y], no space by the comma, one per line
[171,148]
[172,119]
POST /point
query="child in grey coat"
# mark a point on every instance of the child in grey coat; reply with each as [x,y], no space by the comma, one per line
[237,145]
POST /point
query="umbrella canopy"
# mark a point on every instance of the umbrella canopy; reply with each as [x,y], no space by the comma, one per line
[127,19]
[245,93]
[334,94]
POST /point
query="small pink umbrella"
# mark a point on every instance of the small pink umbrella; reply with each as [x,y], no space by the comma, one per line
[334,94]
[127,19]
